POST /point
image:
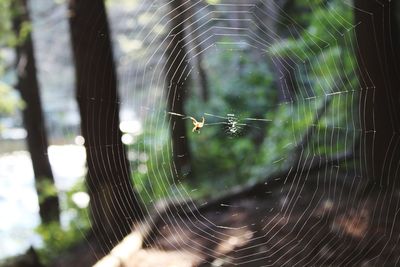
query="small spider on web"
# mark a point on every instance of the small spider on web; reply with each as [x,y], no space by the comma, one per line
[197,124]
[234,125]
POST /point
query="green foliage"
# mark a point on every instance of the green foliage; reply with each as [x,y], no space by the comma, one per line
[46,188]
[325,59]
[241,83]
[7,37]
[58,238]
[322,54]
[9,100]
[241,86]
[151,162]
[328,26]
[285,131]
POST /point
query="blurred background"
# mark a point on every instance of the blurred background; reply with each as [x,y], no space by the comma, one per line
[96,98]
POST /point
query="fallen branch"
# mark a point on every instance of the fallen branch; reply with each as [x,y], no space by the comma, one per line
[122,254]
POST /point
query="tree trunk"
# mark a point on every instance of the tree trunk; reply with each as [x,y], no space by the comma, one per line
[268,14]
[377,41]
[198,51]
[114,204]
[285,79]
[28,87]
[177,69]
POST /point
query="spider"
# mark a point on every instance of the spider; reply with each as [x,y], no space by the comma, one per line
[197,124]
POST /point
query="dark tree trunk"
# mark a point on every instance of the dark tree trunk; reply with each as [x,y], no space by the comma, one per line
[32,115]
[203,80]
[177,69]
[285,80]
[198,51]
[268,15]
[377,41]
[114,204]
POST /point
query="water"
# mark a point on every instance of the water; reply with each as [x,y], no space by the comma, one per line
[18,199]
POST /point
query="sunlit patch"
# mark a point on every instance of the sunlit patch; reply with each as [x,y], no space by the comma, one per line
[213,2]
[13,133]
[354,223]
[132,155]
[127,139]
[128,45]
[81,199]
[143,157]
[142,168]
[79,140]
[132,127]
[159,29]
[218,262]
[145,18]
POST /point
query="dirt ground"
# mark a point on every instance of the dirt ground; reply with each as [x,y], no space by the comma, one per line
[313,220]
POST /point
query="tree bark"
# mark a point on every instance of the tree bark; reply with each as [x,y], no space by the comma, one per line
[198,52]
[32,114]
[114,204]
[176,73]
[268,14]
[377,41]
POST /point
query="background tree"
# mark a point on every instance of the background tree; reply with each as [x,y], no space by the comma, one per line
[33,119]
[377,40]
[114,204]
[268,17]
[198,48]
[176,73]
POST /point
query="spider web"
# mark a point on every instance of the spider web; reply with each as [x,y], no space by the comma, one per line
[331,127]
[306,217]
[316,116]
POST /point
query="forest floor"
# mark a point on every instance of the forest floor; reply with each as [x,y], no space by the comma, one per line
[320,220]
